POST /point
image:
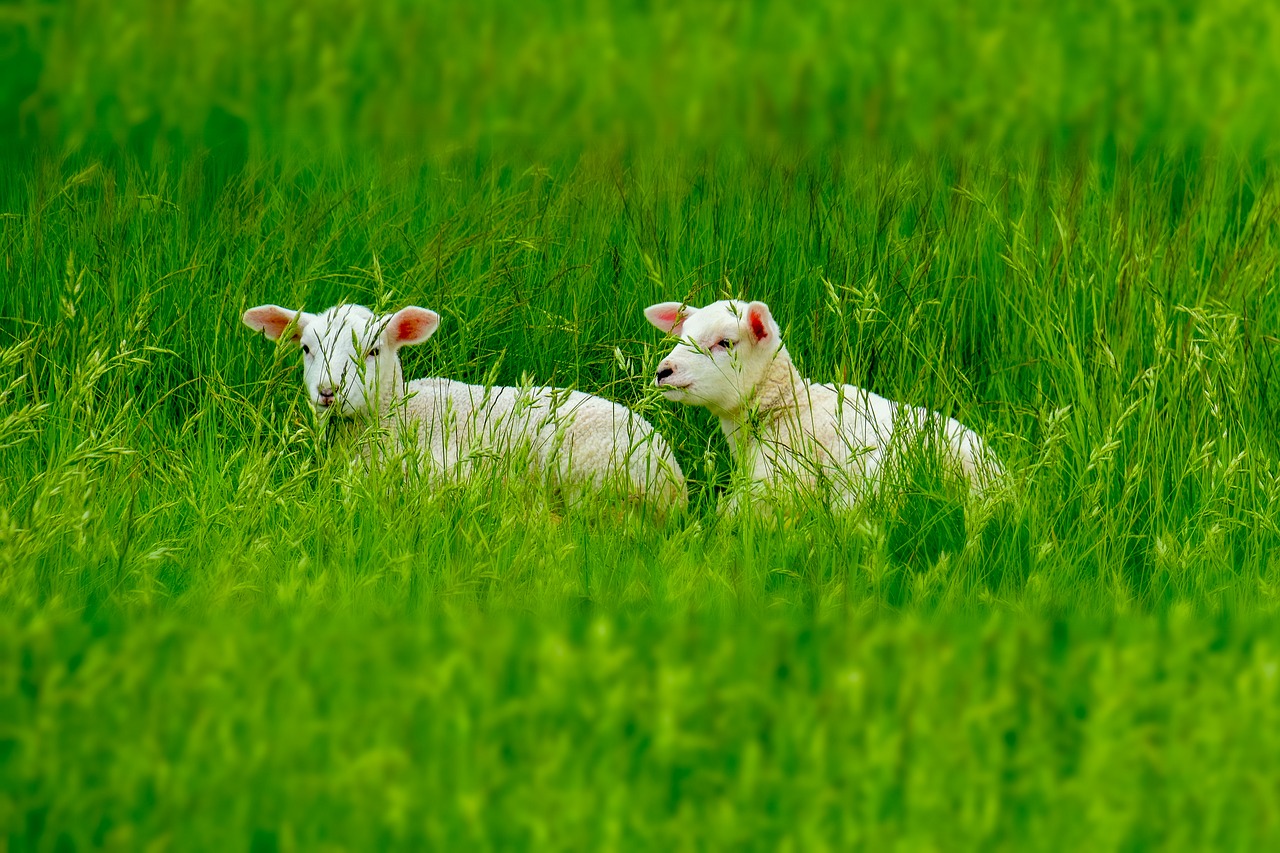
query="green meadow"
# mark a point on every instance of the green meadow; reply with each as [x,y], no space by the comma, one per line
[1058,223]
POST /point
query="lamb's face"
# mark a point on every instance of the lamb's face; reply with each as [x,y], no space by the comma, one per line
[724,352]
[350,356]
[347,366]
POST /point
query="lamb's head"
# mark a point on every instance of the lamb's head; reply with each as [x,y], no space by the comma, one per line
[724,352]
[350,356]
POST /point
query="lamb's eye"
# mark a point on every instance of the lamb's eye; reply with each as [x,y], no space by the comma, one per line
[725,344]
[306,350]
[373,353]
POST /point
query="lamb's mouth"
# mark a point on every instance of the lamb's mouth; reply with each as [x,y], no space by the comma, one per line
[670,386]
[336,409]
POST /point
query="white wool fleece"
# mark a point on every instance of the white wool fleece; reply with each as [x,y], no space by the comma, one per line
[352,369]
[784,428]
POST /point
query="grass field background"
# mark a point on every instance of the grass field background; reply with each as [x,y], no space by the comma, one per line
[1057,223]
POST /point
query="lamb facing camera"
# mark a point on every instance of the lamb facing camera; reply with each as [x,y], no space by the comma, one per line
[351,370]
[785,431]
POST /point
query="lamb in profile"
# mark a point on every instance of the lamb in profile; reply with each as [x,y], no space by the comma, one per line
[352,369]
[784,428]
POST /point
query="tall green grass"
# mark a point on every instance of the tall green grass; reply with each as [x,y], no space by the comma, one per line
[1112,331]
[555,76]
[1057,223]
[172,511]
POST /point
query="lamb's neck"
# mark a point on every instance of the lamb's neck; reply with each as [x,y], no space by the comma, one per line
[777,393]
[359,428]
[392,396]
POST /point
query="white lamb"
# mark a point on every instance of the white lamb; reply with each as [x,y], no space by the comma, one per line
[784,428]
[352,370]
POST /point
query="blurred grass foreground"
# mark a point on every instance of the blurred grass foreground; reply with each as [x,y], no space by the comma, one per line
[1056,221]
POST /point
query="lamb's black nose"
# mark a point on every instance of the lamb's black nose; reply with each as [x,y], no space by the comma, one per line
[664,373]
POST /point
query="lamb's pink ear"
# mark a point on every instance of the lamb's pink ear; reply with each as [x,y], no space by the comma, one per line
[669,316]
[760,321]
[410,326]
[272,320]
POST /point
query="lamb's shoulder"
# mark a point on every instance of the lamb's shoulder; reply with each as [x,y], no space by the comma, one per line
[545,410]
[823,436]
[501,418]
[825,411]
[581,422]
[591,414]
[789,440]
[432,398]
[880,423]
[563,406]
[430,386]
[523,413]
[608,429]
